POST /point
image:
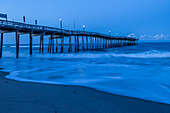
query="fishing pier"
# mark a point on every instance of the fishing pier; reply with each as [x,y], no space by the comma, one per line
[77,40]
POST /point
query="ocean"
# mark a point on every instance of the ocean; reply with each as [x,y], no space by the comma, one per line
[140,71]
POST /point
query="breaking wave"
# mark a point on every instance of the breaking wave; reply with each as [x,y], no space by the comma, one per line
[146,54]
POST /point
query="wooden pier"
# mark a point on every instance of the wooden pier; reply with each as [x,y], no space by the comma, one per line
[89,40]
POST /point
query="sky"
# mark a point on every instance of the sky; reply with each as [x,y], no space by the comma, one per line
[145,19]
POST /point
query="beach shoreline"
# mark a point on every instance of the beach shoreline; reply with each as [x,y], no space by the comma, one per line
[26,97]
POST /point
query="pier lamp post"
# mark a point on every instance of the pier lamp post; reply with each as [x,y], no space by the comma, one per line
[84,27]
[24,19]
[60,23]
[109,33]
[116,34]
[74,25]
[61,36]
[36,22]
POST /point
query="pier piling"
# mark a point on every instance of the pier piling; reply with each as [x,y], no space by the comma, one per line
[56,45]
[83,43]
[52,43]
[30,43]
[62,43]
[70,47]
[1,46]
[87,43]
[75,43]
[17,45]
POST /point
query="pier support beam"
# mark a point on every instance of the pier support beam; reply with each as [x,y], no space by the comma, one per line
[106,43]
[95,42]
[48,45]
[109,43]
[100,42]
[41,49]
[30,43]
[42,39]
[56,45]
[118,43]
[91,42]
[83,43]
[1,46]
[40,45]
[75,43]
[103,42]
[70,47]
[62,44]
[17,45]
[87,43]
[52,43]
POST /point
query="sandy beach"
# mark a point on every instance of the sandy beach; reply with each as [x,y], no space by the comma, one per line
[21,97]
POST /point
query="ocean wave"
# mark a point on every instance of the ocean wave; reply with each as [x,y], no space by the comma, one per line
[146,54]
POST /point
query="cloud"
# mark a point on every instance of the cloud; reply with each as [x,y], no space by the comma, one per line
[155,37]
[151,37]
[132,35]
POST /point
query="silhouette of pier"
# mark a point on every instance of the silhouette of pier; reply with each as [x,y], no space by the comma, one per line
[89,40]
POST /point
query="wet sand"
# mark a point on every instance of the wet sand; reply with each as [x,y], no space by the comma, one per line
[22,97]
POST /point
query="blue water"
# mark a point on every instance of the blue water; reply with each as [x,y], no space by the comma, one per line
[141,71]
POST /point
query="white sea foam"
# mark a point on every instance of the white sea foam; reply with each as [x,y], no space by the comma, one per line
[146,54]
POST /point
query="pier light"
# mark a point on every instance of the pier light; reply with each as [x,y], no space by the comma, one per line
[109,33]
[116,34]
[84,27]
[24,19]
[60,23]
[36,22]
[74,25]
